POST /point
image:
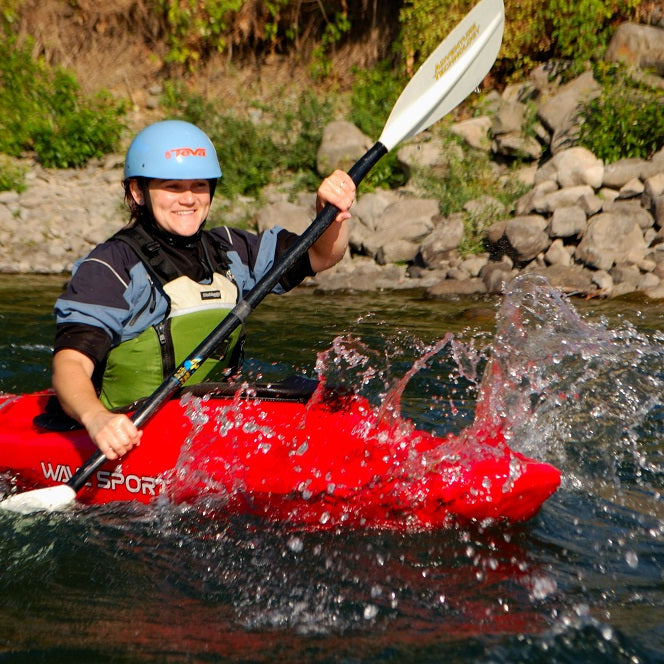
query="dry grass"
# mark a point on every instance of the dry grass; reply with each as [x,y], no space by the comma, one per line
[121,46]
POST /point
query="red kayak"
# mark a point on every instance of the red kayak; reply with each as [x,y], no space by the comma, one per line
[287,452]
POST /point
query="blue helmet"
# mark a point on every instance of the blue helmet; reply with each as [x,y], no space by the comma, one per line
[172,150]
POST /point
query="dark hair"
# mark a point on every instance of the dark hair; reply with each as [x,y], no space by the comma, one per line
[137,212]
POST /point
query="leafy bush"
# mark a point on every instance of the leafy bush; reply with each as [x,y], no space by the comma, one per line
[535,30]
[373,95]
[470,175]
[198,27]
[12,174]
[582,30]
[626,120]
[298,132]
[43,110]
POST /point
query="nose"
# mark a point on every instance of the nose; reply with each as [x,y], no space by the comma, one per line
[187,197]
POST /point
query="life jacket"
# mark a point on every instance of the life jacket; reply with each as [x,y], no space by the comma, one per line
[136,368]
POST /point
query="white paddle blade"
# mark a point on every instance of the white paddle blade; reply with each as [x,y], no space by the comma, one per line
[449,74]
[50,499]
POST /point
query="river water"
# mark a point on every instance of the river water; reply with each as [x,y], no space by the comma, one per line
[578,384]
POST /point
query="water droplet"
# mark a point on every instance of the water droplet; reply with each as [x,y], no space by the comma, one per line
[370,611]
[295,544]
[632,559]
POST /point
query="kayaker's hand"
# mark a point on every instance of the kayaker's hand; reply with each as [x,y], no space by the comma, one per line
[113,433]
[339,190]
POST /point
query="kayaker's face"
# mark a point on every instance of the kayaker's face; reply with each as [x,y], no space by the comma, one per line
[180,206]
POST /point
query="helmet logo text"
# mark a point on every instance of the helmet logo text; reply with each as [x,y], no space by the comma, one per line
[184,152]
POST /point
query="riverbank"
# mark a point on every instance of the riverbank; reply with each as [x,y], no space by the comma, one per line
[591,228]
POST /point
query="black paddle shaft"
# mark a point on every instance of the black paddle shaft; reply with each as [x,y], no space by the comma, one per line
[235,317]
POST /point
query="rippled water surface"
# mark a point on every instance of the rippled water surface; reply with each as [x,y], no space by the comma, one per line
[578,384]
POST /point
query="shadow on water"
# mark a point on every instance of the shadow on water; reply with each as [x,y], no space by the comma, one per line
[582,581]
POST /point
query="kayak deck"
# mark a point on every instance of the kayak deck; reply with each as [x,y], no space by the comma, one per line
[287,456]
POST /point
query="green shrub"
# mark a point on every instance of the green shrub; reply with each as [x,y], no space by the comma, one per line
[470,175]
[626,120]
[298,131]
[582,30]
[535,30]
[42,110]
[198,27]
[373,96]
[12,174]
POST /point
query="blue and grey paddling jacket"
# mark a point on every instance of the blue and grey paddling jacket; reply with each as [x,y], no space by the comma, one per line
[137,305]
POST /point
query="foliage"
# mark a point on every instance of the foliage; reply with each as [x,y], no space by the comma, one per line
[332,34]
[581,30]
[195,27]
[626,120]
[470,175]
[373,95]
[299,132]
[535,30]
[43,110]
[12,174]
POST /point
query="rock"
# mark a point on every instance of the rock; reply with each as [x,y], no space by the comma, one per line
[475,132]
[657,207]
[509,118]
[604,281]
[631,209]
[397,251]
[474,265]
[638,45]
[527,236]
[342,145]
[567,221]
[369,208]
[611,238]
[496,275]
[566,197]
[654,185]
[407,219]
[430,154]
[532,200]
[450,288]
[632,189]
[577,166]
[287,215]
[516,144]
[558,254]
[619,173]
[559,112]
[570,279]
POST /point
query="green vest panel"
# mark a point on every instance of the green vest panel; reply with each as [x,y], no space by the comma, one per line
[137,367]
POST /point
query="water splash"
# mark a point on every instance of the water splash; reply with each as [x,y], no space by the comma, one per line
[579,394]
[350,457]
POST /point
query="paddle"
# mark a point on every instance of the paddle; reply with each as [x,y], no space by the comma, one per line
[448,76]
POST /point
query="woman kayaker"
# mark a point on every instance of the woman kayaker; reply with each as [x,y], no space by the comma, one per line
[140,302]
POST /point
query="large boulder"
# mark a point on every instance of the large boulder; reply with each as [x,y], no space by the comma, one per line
[342,145]
[638,45]
[611,238]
